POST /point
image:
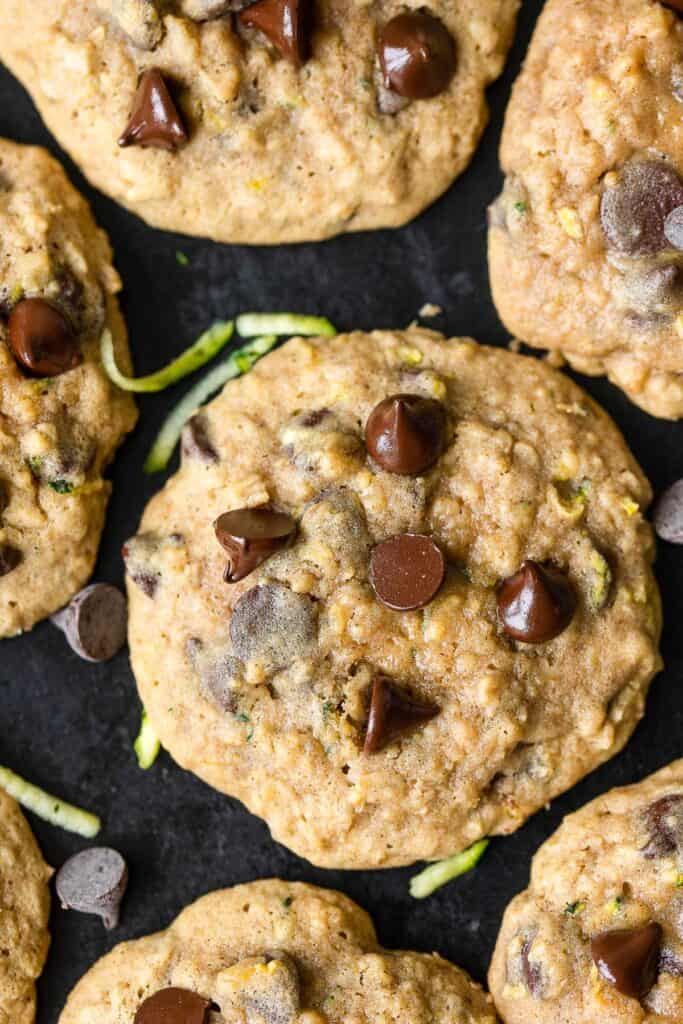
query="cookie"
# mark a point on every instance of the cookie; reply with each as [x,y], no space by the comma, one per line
[597,935]
[273,952]
[429,609]
[60,418]
[585,241]
[275,121]
[24,912]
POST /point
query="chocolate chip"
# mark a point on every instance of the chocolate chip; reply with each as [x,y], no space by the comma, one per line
[675,5]
[531,971]
[673,228]
[95,622]
[10,558]
[137,554]
[195,442]
[628,958]
[274,625]
[406,571]
[633,211]
[94,882]
[287,24]
[250,536]
[668,514]
[154,120]
[41,339]
[406,434]
[536,604]
[664,821]
[392,714]
[417,55]
[174,1006]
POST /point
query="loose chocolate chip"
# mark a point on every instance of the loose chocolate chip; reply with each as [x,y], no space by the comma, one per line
[195,442]
[416,54]
[174,1006]
[94,623]
[94,882]
[668,514]
[633,211]
[288,24]
[406,571]
[673,228]
[250,536]
[664,821]
[392,714]
[536,604]
[273,624]
[154,120]
[406,434]
[629,958]
[41,339]
[9,559]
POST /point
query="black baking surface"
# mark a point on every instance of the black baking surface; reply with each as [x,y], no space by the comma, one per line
[69,726]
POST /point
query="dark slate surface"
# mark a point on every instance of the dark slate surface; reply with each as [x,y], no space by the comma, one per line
[69,726]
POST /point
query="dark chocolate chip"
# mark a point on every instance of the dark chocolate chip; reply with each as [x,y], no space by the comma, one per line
[531,971]
[417,55]
[174,1006]
[406,434]
[10,558]
[250,536]
[392,714]
[536,604]
[287,24]
[406,571]
[195,442]
[154,120]
[94,882]
[274,625]
[629,958]
[668,514]
[94,622]
[664,821]
[673,228]
[41,339]
[675,5]
[633,212]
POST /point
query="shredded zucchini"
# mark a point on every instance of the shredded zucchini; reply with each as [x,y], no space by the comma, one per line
[249,325]
[436,875]
[49,808]
[147,744]
[193,358]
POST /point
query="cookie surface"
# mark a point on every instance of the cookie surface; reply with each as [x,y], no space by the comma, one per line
[583,251]
[278,953]
[263,686]
[24,912]
[60,418]
[274,153]
[615,866]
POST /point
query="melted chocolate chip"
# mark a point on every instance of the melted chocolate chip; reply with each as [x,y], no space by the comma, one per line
[95,622]
[392,714]
[287,24]
[668,514]
[629,958]
[9,559]
[250,536]
[41,339]
[633,212]
[274,625]
[417,55]
[195,442]
[664,821]
[173,1006]
[94,882]
[536,604]
[154,119]
[406,571]
[405,434]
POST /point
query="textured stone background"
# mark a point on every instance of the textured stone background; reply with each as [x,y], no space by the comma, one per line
[69,726]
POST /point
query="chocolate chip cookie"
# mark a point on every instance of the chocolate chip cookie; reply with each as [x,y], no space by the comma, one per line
[586,239]
[399,597]
[597,935]
[60,418]
[273,952]
[24,912]
[268,121]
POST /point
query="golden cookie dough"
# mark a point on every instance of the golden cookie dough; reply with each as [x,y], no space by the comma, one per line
[594,124]
[24,912]
[275,952]
[57,434]
[615,865]
[275,154]
[261,687]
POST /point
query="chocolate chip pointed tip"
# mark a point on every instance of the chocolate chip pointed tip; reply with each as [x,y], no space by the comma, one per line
[287,24]
[536,604]
[95,622]
[392,714]
[406,434]
[628,958]
[94,881]
[173,1006]
[41,339]
[154,121]
[251,535]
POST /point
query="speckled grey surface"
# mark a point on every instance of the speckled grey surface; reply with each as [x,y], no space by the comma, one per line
[69,725]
